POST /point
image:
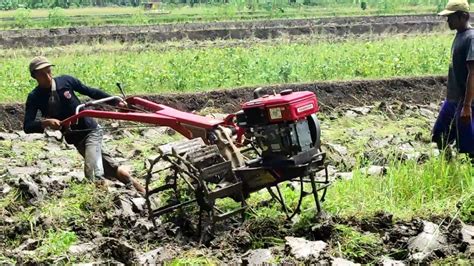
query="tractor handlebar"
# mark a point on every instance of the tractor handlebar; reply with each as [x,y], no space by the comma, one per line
[80,106]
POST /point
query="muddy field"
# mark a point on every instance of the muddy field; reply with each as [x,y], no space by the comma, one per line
[42,179]
[422,90]
[325,27]
[50,214]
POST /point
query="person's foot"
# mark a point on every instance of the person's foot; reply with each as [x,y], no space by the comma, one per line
[139,187]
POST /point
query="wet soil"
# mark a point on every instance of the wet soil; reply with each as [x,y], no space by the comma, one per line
[264,29]
[418,90]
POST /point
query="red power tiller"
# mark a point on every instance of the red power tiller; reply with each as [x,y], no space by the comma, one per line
[273,139]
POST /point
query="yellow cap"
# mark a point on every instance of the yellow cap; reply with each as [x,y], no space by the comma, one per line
[454,6]
[38,63]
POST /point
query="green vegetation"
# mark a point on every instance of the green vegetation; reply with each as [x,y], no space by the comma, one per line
[466,208]
[79,205]
[193,259]
[461,260]
[6,149]
[10,4]
[31,152]
[356,246]
[408,189]
[56,243]
[176,70]
[9,200]
[233,10]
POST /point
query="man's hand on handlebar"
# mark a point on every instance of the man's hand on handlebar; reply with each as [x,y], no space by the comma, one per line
[122,104]
[52,123]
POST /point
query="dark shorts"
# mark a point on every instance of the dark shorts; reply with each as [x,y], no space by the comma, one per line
[110,165]
[448,129]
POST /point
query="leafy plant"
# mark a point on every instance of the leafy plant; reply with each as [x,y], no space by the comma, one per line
[140,17]
[7,5]
[22,18]
[56,17]
[467,208]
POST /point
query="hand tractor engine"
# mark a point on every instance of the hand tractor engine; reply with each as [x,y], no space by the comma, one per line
[273,141]
[283,126]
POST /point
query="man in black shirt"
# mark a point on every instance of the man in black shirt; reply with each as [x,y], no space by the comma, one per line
[454,122]
[56,99]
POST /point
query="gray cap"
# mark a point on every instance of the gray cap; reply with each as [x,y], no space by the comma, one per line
[38,63]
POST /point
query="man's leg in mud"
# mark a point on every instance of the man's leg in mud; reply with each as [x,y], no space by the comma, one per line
[113,169]
[90,149]
[124,176]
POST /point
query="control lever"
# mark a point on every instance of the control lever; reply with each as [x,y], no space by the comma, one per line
[119,85]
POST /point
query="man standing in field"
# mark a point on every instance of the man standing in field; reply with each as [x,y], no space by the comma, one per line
[455,118]
[56,99]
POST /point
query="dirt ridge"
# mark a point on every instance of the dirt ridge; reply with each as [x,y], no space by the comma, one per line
[261,29]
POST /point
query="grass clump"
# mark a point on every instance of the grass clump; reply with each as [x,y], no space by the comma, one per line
[6,149]
[56,243]
[30,151]
[466,208]
[407,190]
[353,245]
[77,203]
[193,257]
[460,260]
[192,261]
[9,201]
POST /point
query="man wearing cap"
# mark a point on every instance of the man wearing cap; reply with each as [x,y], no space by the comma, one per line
[56,99]
[454,122]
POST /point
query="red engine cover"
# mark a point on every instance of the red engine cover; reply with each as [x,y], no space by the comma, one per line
[290,106]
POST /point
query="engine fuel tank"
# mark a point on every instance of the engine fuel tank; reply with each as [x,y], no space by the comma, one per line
[286,106]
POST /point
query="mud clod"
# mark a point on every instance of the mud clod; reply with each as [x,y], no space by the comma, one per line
[302,249]
[116,249]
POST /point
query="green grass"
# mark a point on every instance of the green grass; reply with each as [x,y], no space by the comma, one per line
[408,190]
[31,151]
[191,70]
[92,16]
[78,204]
[460,260]
[56,243]
[9,200]
[6,149]
[357,134]
[6,261]
[198,260]
[355,246]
